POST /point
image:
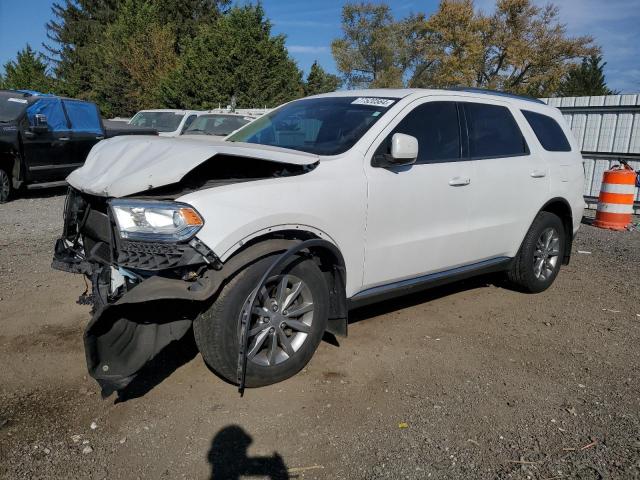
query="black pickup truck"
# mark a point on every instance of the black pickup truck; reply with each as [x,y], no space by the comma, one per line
[45,137]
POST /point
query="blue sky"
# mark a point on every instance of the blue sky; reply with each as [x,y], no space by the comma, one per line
[310,25]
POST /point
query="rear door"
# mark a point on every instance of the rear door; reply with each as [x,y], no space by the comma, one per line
[86,130]
[418,215]
[48,154]
[511,178]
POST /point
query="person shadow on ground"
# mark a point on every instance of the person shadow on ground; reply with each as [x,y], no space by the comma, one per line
[229,461]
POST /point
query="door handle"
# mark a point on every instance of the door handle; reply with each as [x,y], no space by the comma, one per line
[100,137]
[538,174]
[64,139]
[459,182]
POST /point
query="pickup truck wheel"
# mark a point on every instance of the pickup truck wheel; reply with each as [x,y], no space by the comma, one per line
[285,329]
[5,186]
[538,262]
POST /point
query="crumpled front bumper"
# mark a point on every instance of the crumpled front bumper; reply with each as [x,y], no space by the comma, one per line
[142,293]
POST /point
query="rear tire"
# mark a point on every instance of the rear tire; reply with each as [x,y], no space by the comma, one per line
[217,329]
[538,261]
[6,187]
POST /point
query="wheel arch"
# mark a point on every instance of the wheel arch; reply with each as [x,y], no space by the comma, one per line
[10,163]
[327,255]
[560,207]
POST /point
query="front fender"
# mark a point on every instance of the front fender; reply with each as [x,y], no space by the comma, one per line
[236,214]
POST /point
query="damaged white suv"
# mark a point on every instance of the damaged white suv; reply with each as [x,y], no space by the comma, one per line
[265,241]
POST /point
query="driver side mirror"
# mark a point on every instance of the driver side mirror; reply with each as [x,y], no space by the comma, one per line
[40,124]
[404,151]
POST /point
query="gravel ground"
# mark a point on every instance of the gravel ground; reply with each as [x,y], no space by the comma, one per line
[468,381]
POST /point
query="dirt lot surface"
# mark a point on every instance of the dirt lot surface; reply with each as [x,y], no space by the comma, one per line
[468,381]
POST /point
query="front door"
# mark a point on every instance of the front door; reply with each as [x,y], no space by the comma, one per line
[418,215]
[48,154]
[86,130]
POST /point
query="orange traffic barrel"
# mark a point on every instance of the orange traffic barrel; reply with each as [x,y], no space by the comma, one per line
[615,203]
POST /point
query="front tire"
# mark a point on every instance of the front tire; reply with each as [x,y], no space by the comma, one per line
[6,187]
[538,261]
[285,328]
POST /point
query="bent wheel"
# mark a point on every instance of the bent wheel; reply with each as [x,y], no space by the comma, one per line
[285,328]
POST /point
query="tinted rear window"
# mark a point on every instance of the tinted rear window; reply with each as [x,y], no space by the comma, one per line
[493,132]
[549,133]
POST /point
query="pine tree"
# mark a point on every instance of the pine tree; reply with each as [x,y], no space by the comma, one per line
[586,79]
[319,81]
[136,54]
[235,56]
[78,28]
[28,72]
[75,34]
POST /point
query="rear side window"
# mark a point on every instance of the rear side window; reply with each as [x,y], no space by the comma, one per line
[549,133]
[493,132]
[83,116]
[435,125]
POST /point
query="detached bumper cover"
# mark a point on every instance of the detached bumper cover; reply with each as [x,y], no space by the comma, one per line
[134,288]
[117,345]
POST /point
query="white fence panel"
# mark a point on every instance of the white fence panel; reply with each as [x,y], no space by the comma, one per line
[607,125]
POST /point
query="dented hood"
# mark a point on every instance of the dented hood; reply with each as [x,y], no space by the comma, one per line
[126,165]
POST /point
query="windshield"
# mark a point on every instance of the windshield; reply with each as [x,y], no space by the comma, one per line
[11,106]
[219,125]
[323,126]
[161,121]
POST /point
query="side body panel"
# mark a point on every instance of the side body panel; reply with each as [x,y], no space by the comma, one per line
[508,194]
[328,201]
[567,172]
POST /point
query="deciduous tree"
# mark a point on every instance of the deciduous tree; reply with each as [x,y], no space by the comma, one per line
[520,48]
[369,54]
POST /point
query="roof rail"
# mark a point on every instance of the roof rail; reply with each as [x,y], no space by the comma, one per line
[497,93]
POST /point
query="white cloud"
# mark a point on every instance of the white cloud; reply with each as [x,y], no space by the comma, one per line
[308,48]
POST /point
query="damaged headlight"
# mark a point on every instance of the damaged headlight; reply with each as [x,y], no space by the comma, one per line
[155,221]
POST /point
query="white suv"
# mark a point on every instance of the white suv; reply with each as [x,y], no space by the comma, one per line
[325,203]
[168,123]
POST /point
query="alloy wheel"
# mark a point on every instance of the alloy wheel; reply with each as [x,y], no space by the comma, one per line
[281,320]
[545,256]
[5,186]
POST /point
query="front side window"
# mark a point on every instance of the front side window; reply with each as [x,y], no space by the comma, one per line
[83,116]
[322,126]
[52,109]
[435,125]
[493,132]
[160,121]
[549,133]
